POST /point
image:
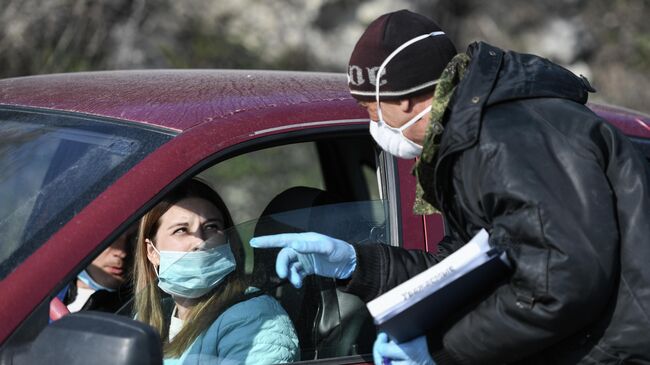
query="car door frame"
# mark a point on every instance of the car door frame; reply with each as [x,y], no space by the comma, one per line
[119,206]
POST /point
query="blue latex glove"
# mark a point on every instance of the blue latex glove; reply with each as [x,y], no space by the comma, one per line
[309,253]
[414,352]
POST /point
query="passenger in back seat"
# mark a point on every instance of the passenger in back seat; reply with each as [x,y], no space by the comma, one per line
[102,285]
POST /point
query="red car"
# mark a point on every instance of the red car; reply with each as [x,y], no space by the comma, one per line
[83,156]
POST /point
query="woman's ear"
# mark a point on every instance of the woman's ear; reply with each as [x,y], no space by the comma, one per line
[152,254]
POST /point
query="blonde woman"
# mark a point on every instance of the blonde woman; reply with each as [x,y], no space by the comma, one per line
[211,316]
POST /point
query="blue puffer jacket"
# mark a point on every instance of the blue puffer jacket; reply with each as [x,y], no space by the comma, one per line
[255,331]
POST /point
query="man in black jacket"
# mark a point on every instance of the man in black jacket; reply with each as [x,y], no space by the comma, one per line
[505,143]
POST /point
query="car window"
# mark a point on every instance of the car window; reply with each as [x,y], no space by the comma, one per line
[328,185]
[344,166]
[247,182]
[329,322]
[52,166]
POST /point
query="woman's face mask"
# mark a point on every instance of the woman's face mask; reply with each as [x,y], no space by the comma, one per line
[391,139]
[193,274]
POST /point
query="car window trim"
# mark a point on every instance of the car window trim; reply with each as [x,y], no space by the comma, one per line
[390,191]
[170,132]
[164,136]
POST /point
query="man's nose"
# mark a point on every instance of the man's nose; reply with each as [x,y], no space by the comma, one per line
[119,248]
[120,252]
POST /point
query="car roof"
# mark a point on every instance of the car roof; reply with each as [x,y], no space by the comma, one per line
[179,99]
[173,99]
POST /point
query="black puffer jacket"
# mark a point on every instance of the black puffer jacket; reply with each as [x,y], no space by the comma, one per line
[564,192]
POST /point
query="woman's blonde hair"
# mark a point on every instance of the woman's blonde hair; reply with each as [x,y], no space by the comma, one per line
[148,301]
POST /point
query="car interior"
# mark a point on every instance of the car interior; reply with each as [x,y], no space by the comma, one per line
[330,186]
[343,202]
[327,320]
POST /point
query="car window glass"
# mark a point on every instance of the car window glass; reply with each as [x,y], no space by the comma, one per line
[328,185]
[52,166]
[370,176]
[247,182]
[329,322]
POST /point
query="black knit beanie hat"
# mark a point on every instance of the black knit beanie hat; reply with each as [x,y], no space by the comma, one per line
[412,71]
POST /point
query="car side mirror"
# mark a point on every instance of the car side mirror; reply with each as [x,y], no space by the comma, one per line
[92,338]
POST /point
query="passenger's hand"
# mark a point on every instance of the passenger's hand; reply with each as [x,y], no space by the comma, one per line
[309,253]
[414,352]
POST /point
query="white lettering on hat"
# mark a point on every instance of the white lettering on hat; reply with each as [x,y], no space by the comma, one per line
[355,75]
[372,75]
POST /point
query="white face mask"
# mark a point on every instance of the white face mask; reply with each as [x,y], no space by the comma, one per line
[391,139]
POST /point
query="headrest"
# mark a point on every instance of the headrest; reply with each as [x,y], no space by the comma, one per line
[293,199]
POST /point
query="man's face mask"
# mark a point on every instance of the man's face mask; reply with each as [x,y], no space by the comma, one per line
[193,274]
[391,139]
[92,284]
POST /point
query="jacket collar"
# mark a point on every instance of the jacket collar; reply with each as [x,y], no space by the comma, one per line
[495,76]
[471,96]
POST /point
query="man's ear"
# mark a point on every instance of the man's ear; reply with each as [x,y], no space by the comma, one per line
[406,105]
[152,255]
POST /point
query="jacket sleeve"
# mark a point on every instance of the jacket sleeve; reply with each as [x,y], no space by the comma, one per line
[550,205]
[382,267]
[257,331]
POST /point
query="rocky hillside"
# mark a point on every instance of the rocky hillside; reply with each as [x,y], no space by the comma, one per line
[608,41]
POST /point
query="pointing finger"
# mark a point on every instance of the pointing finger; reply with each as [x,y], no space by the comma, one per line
[275,240]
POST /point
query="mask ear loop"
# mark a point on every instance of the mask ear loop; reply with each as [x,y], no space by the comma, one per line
[155,269]
[414,119]
[390,57]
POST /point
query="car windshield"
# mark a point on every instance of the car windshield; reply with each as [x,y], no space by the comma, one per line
[52,166]
[327,321]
